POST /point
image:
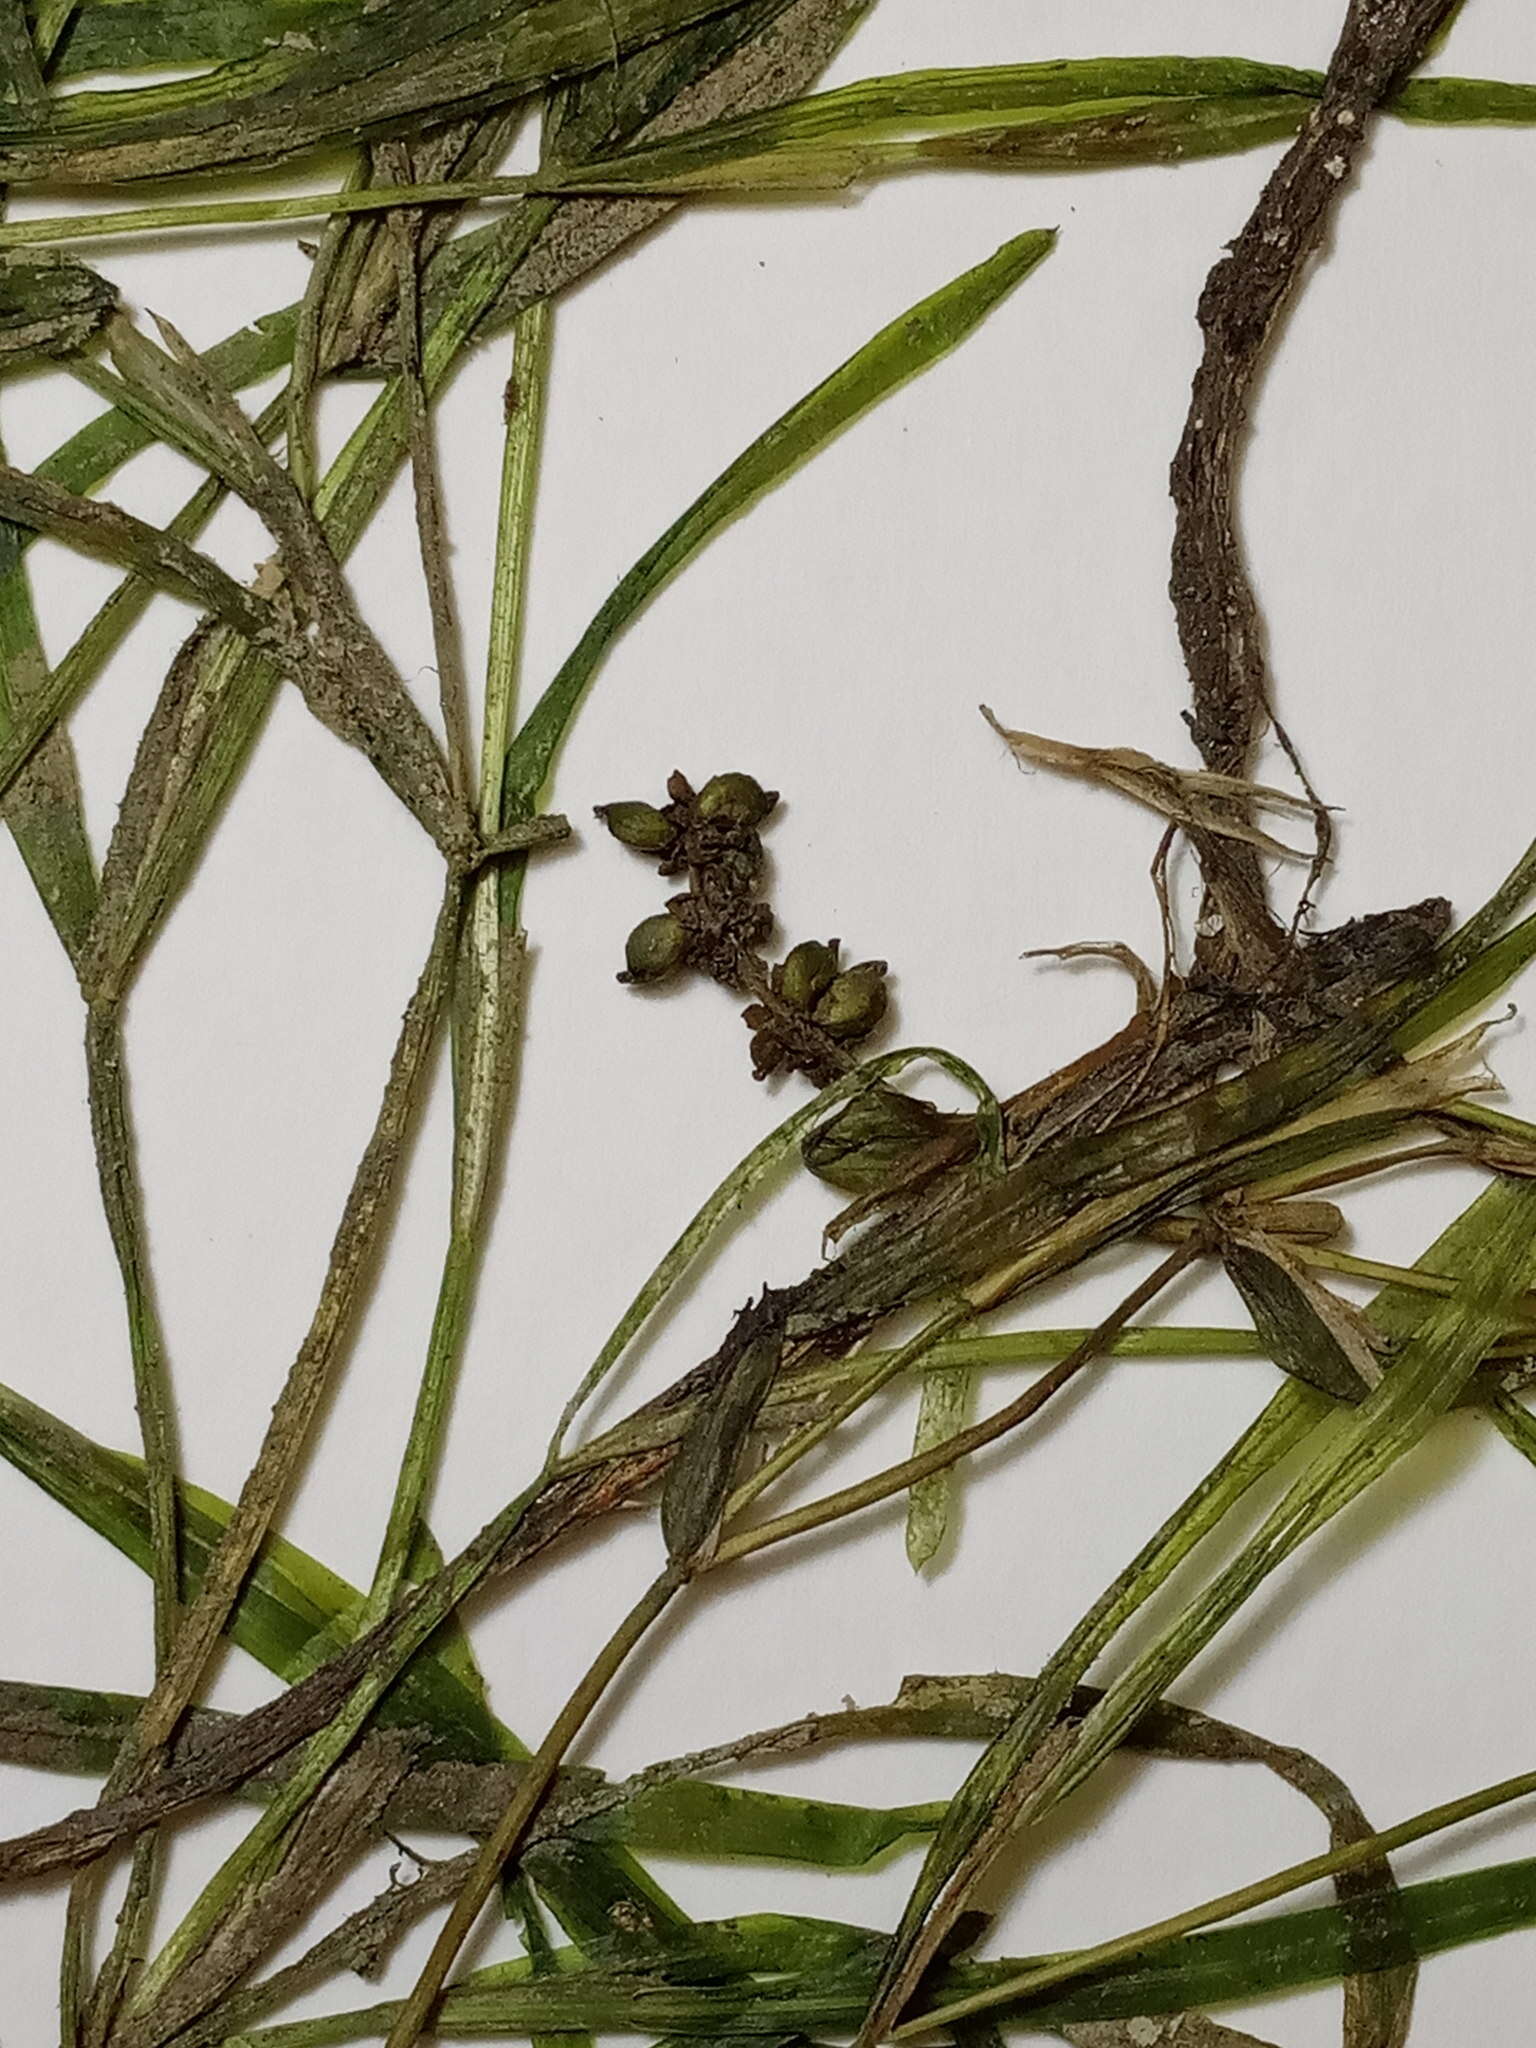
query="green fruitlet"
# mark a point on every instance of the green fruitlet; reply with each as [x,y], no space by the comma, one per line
[808,971]
[637,825]
[740,798]
[855,1003]
[655,948]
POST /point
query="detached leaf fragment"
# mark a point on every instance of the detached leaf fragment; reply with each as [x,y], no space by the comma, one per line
[1194,798]
[1307,1329]
[945,1406]
[704,1470]
[49,306]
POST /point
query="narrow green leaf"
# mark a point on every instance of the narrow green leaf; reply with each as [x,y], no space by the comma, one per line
[908,345]
[692,1817]
[1083,112]
[287,1600]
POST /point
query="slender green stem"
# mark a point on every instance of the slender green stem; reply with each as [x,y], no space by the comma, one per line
[834,1507]
[141,220]
[416,2013]
[1328,1259]
[1333,1863]
[1331,1261]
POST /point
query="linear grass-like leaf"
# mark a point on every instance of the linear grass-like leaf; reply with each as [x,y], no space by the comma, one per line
[913,341]
[1090,115]
[65,1728]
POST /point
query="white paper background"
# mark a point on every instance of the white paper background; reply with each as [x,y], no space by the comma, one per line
[998,531]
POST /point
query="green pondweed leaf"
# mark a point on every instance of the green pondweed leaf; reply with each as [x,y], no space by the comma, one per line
[908,345]
[1075,115]
[691,1817]
[339,81]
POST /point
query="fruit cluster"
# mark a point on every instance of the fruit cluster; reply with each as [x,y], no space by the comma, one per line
[807,1011]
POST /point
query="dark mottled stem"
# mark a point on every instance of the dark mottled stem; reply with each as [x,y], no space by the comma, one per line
[1218,618]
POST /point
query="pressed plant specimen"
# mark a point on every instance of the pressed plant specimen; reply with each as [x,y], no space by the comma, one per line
[476,164]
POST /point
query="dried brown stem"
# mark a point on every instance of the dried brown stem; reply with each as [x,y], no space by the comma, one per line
[1218,617]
